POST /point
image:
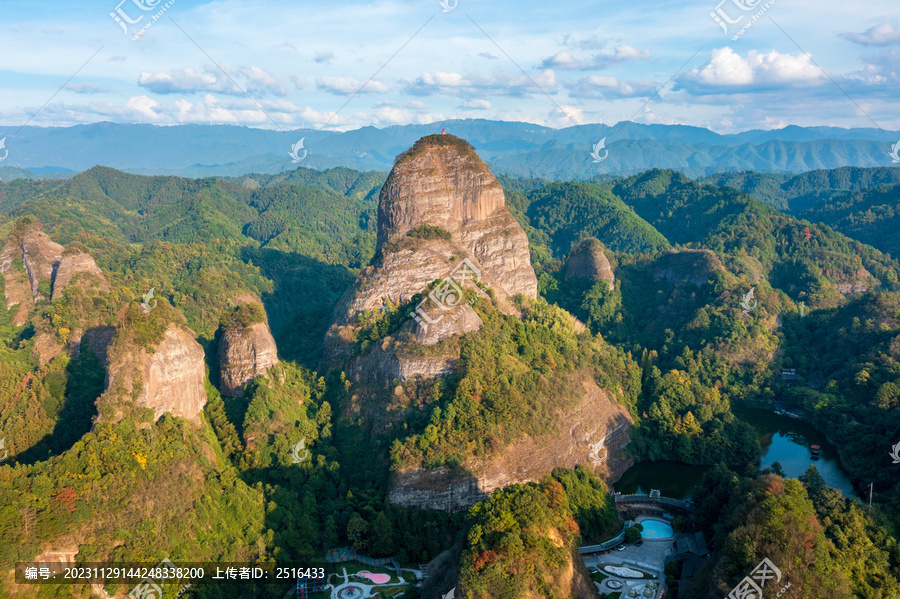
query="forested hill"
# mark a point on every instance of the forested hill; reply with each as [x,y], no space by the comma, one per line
[869,215]
[798,193]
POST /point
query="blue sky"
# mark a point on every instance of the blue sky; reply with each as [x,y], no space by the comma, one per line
[291,64]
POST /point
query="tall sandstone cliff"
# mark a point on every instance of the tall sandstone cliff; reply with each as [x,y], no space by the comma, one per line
[16,285]
[76,268]
[30,257]
[245,352]
[41,256]
[439,206]
[170,378]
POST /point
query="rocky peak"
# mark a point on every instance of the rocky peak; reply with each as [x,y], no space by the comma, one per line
[588,260]
[44,260]
[440,181]
[41,256]
[439,210]
[77,267]
[246,348]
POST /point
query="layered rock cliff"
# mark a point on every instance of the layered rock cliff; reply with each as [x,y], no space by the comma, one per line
[35,267]
[441,181]
[16,288]
[441,215]
[170,378]
[41,256]
[592,433]
[79,269]
[588,260]
[246,350]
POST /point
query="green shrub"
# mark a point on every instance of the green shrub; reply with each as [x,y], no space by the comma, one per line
[426,231]
[243,315]
[44,288]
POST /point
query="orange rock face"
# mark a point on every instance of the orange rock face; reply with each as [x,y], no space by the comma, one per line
[439,208]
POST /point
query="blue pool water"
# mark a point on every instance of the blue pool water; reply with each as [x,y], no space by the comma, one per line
[656,529]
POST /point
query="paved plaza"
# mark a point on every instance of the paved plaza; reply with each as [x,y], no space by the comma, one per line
[650,557]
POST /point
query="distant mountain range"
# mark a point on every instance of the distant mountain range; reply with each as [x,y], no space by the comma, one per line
[513,148]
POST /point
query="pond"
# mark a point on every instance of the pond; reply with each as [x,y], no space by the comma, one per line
[787,441]
[782,439]
[673,479]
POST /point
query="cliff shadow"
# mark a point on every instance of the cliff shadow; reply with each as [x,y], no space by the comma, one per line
[77,393]
[299,307]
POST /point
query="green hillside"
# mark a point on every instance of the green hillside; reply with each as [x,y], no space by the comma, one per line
[870,215]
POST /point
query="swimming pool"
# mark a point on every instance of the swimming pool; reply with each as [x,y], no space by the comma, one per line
[655,529]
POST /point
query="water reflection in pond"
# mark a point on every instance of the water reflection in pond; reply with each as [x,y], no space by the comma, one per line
[788,440]
[782,439]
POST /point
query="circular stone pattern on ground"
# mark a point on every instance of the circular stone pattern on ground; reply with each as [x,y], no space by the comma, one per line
[614,584]
[350,592]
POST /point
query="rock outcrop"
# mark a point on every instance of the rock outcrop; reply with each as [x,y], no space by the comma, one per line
[383,367]
[680,267]
[244,354]
[593,433]
[80,269]
[30,258]
[46,347]
[171,378]
[442,182]
[858,281]
[46,269]
[41,256]
[441,215]
[17,288]
[588,260]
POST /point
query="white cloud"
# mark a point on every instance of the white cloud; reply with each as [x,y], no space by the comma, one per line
[727,68]
[880,35]
[564,116]
[589,43]
[602,86]
[477,104]
[210,108]
[500,83]
[561,60]
[349,85]
[187,80]
[400,116]
[566,61]
[261,81]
